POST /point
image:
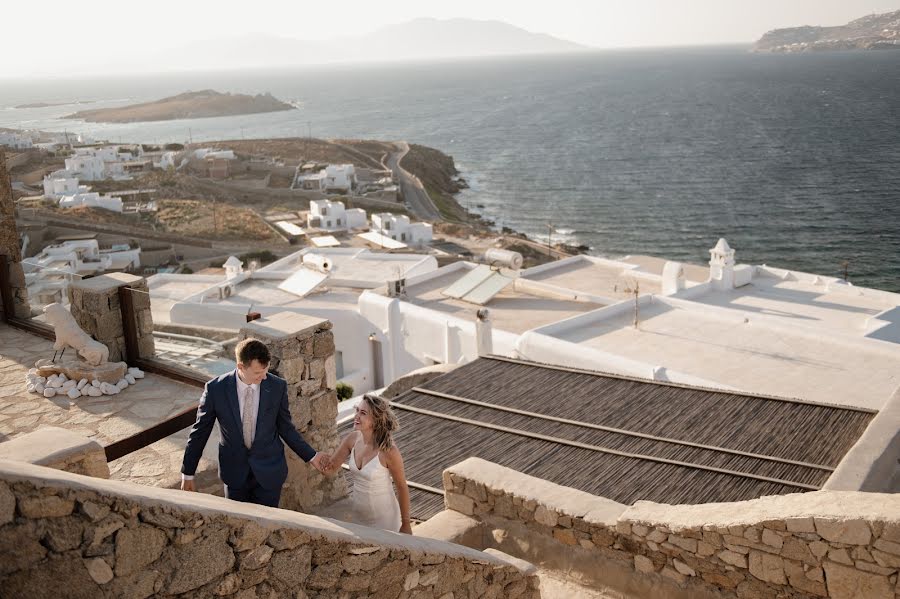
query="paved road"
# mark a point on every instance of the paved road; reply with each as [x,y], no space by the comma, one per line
[414,194]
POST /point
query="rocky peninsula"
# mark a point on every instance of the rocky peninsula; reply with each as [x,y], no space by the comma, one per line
[873,32]
[189,105]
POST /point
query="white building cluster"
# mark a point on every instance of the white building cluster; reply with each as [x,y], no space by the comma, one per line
[399,228]
[16,141]
[333,216]
[729,326]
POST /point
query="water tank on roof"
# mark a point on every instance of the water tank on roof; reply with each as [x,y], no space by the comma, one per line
[505,258]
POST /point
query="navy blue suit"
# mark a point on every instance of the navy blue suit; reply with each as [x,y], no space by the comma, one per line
[256,474]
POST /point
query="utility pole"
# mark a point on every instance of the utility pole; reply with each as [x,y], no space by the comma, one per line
[190,136]
[845,266]
[549,235]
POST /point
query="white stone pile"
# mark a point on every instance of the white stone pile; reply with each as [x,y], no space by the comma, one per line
[59,384]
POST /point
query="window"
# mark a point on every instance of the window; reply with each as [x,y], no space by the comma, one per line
[339,222]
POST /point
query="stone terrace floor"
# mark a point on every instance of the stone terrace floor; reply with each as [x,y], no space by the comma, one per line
[104,419]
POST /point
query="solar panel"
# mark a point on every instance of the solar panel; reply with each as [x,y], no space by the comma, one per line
[468,282]
[302,282]
[382,240]
[325,241]
[486,291]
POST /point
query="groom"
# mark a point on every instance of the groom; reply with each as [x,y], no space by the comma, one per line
[251,407]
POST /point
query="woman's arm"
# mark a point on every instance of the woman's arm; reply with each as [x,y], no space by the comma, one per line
[341,453]
[395,467]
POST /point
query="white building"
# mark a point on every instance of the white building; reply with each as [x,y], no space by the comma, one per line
[333,178]
[92,200]
[16,141]
[332,216]
[398,228]
[87,167]
[223,301]
[62,183]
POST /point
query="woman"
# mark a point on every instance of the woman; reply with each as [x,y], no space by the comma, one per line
[374,463]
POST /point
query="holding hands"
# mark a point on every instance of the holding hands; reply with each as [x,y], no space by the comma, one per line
[321,462]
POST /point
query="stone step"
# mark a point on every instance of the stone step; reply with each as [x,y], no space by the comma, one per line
[555,586]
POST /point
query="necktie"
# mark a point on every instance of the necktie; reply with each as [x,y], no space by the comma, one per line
[247,416]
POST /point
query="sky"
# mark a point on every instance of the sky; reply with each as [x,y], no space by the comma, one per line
[61,37]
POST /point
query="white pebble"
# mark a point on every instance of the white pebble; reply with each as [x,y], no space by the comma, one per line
[130,379]
[32,371]
[56,383]
[108,389]
[82,383]
[94,391]
[74,393]
[39,388]
[68,385]
[96,383]
[41,379]
[30,388]
[49,392]
[136,372]
[62,377]
[122,384]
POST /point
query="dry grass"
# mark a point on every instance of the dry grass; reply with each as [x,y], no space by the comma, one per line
[212,220]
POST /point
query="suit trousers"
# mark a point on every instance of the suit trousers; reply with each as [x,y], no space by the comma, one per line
[251,492]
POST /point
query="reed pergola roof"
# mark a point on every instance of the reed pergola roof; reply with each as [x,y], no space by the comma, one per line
[621,438]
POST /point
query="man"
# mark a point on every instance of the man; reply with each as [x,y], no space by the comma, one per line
[251,407]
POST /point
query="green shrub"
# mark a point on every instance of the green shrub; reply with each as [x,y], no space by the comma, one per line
[344,391]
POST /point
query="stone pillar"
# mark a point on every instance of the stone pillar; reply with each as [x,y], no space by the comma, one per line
[302,349]
[94,304]
[9,243]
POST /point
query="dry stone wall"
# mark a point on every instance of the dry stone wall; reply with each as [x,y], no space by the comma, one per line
[9,243]
[844,545]
[72,536]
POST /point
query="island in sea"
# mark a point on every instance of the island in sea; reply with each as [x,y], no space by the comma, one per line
[873,32]
[189,105]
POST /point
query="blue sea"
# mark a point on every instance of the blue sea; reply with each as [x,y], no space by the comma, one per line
[795,159]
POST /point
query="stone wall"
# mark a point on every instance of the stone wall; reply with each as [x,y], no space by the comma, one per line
[9,243]
[64,535]
[94,304]
[302,349]
[844,545]
[60,449]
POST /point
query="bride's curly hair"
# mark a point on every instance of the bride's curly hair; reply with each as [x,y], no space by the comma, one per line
[385,423]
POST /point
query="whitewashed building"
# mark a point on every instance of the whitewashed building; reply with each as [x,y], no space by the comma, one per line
[399,228]
[338,178]
[333,216]
[62,183]
[91,199]
[16,141]
[86,167]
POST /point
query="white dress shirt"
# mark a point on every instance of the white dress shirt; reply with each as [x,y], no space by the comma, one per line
[241,390]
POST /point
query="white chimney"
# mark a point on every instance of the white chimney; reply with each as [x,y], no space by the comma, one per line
[484,340]
[721,265]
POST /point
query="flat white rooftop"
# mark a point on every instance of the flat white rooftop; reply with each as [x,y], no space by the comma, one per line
[752,356]
[357,264]
[596,278]
[266,293]
[510,310]
[846,310]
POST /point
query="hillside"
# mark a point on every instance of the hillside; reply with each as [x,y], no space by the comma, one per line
[868,33]
[189,105]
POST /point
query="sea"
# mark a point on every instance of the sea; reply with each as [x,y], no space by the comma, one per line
[793,158]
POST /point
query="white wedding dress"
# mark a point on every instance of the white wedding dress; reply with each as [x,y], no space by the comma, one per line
[372,496]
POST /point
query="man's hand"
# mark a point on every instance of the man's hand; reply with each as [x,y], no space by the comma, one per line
[321,462]
[188,485]
[406,528]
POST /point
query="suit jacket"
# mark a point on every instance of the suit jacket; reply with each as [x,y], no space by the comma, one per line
[265,458]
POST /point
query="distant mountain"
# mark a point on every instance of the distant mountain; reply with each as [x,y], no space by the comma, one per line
[189,105]
[868,33]
[420,39]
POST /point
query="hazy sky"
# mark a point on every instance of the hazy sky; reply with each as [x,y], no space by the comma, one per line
[57,37]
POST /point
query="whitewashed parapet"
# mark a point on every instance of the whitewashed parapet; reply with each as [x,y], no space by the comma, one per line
[97,538]
[844,545]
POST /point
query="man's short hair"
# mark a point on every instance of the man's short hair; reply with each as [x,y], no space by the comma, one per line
[252,349]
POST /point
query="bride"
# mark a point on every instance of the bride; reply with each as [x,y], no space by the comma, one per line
[375,462]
